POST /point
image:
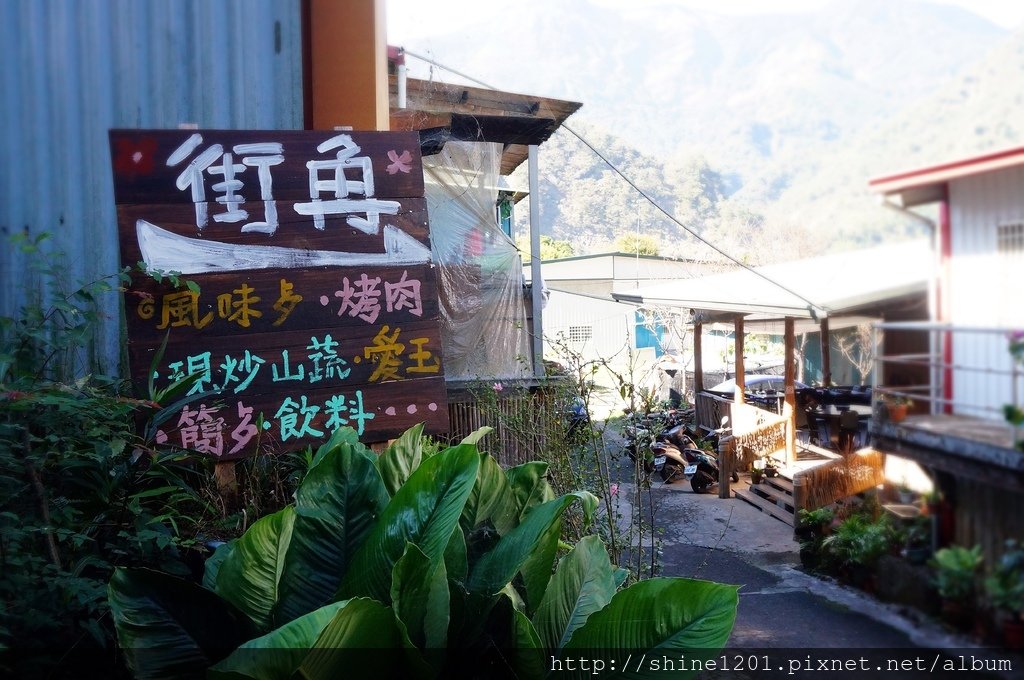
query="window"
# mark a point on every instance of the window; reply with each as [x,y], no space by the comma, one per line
[580,333]
[1010,238]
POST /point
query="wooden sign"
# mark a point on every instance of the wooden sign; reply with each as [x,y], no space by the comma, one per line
[317,302]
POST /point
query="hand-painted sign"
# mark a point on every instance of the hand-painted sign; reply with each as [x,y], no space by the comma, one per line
[317,302]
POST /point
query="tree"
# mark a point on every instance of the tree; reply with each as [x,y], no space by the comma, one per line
[858,347]
[638,244]
[550,248]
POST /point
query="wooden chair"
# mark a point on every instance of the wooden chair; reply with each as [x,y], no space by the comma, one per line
[849,432]
[821,434]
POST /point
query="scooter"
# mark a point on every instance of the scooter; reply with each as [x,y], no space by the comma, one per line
[643,431]
[685,460]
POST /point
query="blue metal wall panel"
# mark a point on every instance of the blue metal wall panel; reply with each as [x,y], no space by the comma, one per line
[72,70]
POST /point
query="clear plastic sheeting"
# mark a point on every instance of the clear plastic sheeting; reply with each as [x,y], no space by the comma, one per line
[480,274]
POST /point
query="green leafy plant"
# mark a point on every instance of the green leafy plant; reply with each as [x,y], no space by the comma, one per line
[956,572]
[82,489]
[446,560]
[856,545]
[1005,586]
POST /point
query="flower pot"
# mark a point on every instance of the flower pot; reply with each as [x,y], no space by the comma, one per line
[957,614]
[897,412]
[756,477]
[1013,633]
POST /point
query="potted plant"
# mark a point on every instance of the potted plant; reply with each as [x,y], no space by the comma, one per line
[956,574]
[896,406]
[918,546]
[812,527]
[855,547]
[1005,591]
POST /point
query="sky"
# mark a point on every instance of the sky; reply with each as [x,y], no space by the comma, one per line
[410,20]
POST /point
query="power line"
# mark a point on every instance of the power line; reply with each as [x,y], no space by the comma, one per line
[813,308]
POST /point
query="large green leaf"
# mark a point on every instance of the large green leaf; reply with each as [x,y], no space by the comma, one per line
[660,615]
[497,567]
[456,561]
[249,575]
[172,628]
[399,460]
[491,495]
[536,570]
[583,583]
[276,655]
[424,511]
[336,506]
[212,566]
[529,488]
[341,651]
[476,435]
[419,591]
[343,435]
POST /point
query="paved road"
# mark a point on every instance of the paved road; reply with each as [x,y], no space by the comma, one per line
[792,616]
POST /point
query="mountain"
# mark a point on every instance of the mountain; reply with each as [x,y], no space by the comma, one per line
[785,115]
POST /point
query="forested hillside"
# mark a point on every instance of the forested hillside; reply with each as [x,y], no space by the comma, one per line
[759,133]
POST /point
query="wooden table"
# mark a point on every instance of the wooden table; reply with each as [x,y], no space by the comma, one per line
[832,413]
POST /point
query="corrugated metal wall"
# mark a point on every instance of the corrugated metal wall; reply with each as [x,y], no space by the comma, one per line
[984,286]
[72,70]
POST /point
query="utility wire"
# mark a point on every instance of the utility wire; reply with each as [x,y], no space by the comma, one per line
[813,308]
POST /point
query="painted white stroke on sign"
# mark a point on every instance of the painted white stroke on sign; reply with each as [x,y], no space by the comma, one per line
[166,251]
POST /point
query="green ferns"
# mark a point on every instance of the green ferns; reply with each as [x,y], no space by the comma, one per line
[446,561]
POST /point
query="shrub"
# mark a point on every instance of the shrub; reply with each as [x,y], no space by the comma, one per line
[956,572]
[446,560]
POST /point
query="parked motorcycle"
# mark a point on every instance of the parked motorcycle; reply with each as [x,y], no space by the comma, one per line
[643,430]
[685,460]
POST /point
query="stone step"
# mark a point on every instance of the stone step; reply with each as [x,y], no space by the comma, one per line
[764,505]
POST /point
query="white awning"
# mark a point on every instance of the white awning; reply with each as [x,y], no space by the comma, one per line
[843,286]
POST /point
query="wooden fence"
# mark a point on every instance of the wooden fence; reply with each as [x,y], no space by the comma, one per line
[840,477]
[525,421]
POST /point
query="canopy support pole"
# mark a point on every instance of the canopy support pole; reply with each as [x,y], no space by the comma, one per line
[789,408]
[826,358]
[698,359]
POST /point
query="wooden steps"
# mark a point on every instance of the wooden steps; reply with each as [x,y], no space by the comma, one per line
[774,495]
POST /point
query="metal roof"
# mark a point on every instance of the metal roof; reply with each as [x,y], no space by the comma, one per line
[849,284]
[928,184]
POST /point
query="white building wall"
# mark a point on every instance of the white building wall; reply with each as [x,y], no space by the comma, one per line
[594,328]
[985,287]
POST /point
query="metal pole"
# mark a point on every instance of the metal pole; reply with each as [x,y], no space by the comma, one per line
[535,270]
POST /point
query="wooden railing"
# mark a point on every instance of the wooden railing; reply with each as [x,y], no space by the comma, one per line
[841,477]
[758,434]
[710,411]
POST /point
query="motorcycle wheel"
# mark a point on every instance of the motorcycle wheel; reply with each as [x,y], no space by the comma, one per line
[701,482]
[670,472]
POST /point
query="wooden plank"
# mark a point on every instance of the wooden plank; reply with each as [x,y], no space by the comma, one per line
[231,426]
[781,483]
[826,353]
[144,172]
[237,304]
[257,362]
[698,358]
[773,495]
[767,507]
[293,230]
[313,304]
[789,409]
[741,378]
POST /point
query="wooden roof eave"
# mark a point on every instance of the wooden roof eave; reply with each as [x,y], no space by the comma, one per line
[515,133]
